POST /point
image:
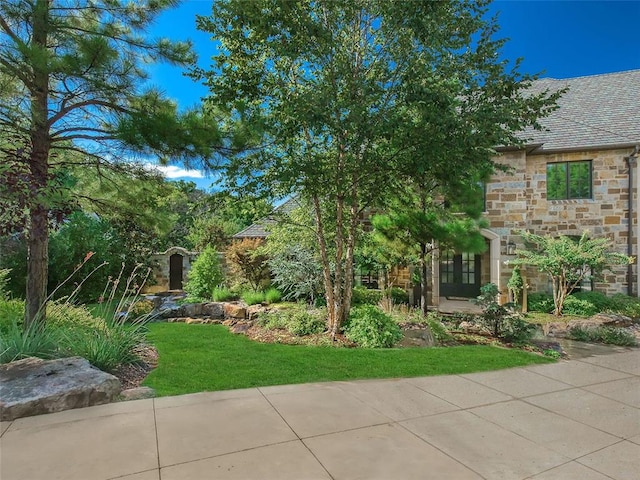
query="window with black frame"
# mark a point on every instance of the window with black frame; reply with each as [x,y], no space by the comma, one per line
[569,180]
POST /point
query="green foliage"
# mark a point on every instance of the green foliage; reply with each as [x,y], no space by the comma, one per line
[438,329]
[500,320]
[567,262]
[205,275]
[106,348]
[515,284]
[434,100]
[252,298]
[296,271]
[515,329]
[608,335]
[17,342]
[399,295]
[575,306]
[305,322]
[365,296]
[599,300]
[140,307]
[11,312]
[370,327]
[66,315]
[4,279]
[223,294]
[273,295]
[80,72]
[552,354]
[625,305]
[588,303]
[71,330]
[298,320]
[540,302]
[247,263]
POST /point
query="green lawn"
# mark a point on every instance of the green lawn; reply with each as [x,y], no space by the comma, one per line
[197,358]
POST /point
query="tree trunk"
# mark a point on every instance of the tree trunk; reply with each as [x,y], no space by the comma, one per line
[37,266]
[423,279]
[38,233]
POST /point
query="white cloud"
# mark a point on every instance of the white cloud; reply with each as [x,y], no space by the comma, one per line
[173,171]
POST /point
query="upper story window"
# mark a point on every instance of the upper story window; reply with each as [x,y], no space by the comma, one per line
[568,180]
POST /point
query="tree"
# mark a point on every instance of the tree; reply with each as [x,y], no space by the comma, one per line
[247,262]
[349,93]
[422,224]
[78,74]
[566,261]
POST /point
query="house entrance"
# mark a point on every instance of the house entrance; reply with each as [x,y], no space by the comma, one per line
[459,274]
[175,272]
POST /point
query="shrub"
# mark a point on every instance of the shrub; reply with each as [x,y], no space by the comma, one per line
[273,320]
[399,295]
[540,302]
[515,329]
[576,306]
[298,320]
[65,315]
[365,296]
[252,298]
[599,300]
[273,295]
[11,311]
[205,275]
[140,308]
[222,294]
[297,273]
[625,305]
[609,335]
[4,280]
[502,322]
[305,322]
[370,327]
[437,327]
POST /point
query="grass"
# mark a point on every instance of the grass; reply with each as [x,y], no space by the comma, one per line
[197,358]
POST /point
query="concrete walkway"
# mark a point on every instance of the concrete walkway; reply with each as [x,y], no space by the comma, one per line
[571,420]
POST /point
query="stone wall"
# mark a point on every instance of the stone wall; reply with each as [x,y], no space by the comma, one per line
[516,200]
[161,268]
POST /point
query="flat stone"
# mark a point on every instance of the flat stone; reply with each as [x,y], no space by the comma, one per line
[232,310]
[192,309]
[254,311]
[33,386]
[137,393]
[240,327]
[194,321]
[213,310]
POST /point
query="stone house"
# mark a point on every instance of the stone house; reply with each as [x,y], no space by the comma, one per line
[578,174]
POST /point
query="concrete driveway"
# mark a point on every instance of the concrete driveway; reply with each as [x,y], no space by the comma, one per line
[576,419]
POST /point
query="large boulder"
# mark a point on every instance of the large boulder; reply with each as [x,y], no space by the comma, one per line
[33,386]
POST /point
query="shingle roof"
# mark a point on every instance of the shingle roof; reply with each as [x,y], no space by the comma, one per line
[258,229]
[596,111]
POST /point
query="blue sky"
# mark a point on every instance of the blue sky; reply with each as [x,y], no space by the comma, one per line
[560,38]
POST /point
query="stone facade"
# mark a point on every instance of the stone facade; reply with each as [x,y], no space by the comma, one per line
[517,200]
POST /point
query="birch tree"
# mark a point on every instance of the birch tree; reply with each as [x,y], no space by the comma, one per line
[349,93]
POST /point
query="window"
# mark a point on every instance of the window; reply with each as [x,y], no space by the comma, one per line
[568,180]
